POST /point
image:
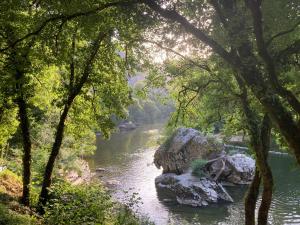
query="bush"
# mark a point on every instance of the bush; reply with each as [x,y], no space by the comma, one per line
[197,167]
[78,205]
[87,205]
[8,217]
[125,216]
[10,184]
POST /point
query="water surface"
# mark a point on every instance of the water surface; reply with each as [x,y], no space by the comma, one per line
[128,158]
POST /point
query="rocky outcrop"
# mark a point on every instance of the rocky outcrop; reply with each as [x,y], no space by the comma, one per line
[190,190]
[235,169]
[84,175]
[201,191]
[215,169]
[185,145]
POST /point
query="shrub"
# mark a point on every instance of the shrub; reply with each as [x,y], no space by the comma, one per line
[197,167]
[10,183]
[84,204]
[8,217]
[87,205]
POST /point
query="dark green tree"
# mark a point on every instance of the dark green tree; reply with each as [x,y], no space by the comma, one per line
[250,46]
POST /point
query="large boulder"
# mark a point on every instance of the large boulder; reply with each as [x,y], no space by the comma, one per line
[184,146]
[191,190]
[235,169]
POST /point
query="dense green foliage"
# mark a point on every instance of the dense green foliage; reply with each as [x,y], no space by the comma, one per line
[65,65]
[86,205]
[235,72]
[68,204]
[9,217]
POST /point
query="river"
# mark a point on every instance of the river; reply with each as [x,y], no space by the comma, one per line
[128,156]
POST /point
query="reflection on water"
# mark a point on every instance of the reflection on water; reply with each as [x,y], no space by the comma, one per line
[128,156]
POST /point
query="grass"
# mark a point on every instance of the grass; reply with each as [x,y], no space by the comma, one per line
[11,212]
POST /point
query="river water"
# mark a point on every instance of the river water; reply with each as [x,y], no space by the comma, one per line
[128,156]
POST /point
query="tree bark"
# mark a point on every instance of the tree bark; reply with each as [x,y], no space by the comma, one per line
[251,199]
[266,197]
[18,74]
[254,7]
[54,153]
[24,124]
[260,134]
[266,173]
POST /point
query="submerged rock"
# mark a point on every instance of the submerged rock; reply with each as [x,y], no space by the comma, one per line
[191,190]
[99,170]
[127,126]
[235,169]
[185,145]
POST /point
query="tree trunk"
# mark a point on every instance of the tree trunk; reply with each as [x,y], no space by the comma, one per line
[54,153]
[266,198]
[266,173]
[73,92]
[260,134]
[251,199]
[254,7]
[24,123]
[279,115]
[20,99]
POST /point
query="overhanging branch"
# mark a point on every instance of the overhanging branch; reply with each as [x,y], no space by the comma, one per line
[64,18]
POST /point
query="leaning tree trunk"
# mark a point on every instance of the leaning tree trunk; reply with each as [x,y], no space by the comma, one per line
[73,93]
[54,153]
[24,124]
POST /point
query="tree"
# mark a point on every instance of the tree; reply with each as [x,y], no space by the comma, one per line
[16,63]
[92,68]
[30,33]
[207,97]
[247,52]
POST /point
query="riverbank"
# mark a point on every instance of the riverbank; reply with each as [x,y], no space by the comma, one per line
[69,204]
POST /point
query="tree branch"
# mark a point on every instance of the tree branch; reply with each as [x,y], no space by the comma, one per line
[282,33]
[175,16]
[202,66]
[40,28]
[263,52]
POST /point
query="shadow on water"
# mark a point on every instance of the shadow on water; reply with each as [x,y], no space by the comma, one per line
[128,156]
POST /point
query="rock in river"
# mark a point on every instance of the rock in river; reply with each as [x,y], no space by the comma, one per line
[191,190]
[185,145]
[127,126]
[235,169]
